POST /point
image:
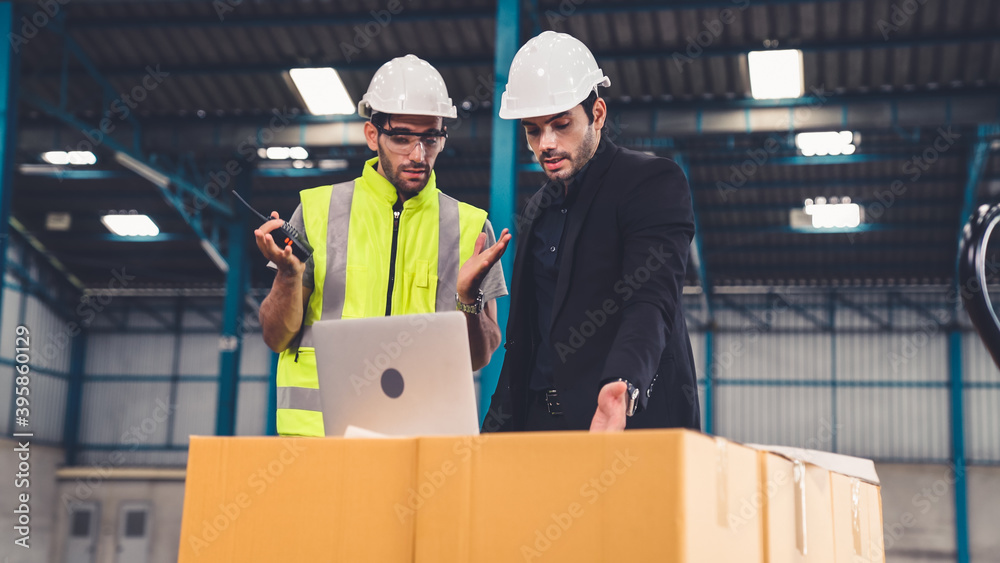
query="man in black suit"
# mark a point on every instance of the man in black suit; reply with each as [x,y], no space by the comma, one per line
[596,336]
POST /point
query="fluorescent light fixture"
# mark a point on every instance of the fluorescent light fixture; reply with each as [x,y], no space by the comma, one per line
[57,221]
[283,153]
[323,91]
[143,169]
[833,215]
[130,225]
[776,74]
[76,158]
[823,143]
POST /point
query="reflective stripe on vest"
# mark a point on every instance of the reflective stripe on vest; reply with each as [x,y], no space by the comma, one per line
[298,399]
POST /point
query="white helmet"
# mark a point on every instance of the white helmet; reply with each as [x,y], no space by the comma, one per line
[410,86]
[550,74]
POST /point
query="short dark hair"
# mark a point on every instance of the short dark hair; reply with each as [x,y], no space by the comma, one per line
[380,119]
[588,105]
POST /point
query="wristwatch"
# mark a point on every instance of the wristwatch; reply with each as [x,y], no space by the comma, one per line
[631,397]
[473,309]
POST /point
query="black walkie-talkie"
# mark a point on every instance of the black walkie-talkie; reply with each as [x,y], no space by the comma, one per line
[284,235]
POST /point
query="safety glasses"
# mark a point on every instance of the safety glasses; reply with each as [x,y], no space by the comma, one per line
[403,142]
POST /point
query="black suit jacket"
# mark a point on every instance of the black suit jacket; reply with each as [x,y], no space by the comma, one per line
[617,310]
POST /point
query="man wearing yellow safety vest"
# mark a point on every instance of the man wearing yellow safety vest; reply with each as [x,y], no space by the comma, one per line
[386,243]
[596,336]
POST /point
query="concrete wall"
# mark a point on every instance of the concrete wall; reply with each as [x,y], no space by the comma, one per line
[42,502]
[918,513]
[165,497]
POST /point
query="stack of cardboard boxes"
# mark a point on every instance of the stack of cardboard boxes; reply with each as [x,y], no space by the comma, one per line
[665,495]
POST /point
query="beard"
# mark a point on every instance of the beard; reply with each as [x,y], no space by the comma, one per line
[397,177]
[576,161]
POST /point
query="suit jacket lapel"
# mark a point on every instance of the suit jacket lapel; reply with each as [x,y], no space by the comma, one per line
[599,165]
[523,226]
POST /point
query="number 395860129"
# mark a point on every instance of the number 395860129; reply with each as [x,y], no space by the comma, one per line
[21,389]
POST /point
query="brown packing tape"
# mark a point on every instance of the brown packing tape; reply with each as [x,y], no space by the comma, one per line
[799,473]
[722,483]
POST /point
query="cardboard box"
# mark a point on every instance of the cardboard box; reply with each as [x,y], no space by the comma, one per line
[857,517]
[572,496]
[668,495]
[809,509]
[297,499]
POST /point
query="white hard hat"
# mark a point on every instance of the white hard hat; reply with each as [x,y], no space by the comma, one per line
[550,74]
[410,86]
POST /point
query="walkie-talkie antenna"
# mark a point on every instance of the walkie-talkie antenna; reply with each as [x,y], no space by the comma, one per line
[259,214]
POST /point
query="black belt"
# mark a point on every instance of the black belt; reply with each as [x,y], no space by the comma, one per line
[550,398]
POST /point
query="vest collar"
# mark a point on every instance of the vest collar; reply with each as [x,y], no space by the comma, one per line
[383,189]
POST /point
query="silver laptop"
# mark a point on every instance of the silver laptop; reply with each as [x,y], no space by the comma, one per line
[406,375]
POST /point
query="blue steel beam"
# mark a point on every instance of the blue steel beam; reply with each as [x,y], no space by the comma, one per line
[862,228]
[828,248]
[503,179]
[976,164]
[697,251]
[362,18]
[602,57]
[231,339]
[74,397]
[955,367]
[380,18]
[9,73]
[936,203]
[882,181]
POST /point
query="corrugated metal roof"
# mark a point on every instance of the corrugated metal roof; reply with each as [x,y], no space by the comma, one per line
[231,65]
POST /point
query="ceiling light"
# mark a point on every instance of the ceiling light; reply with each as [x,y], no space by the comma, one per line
[283,153]
[776,74]
[277,153]
[822,143]
[834,215]
[322,90]
[57,221]
[76,158]
[130,225]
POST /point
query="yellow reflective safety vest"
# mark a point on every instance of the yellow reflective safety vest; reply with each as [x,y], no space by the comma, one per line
[350,227]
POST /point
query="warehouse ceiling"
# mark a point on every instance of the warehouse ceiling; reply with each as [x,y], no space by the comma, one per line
[195,88]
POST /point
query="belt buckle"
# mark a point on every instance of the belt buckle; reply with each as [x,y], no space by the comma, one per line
[552,402]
